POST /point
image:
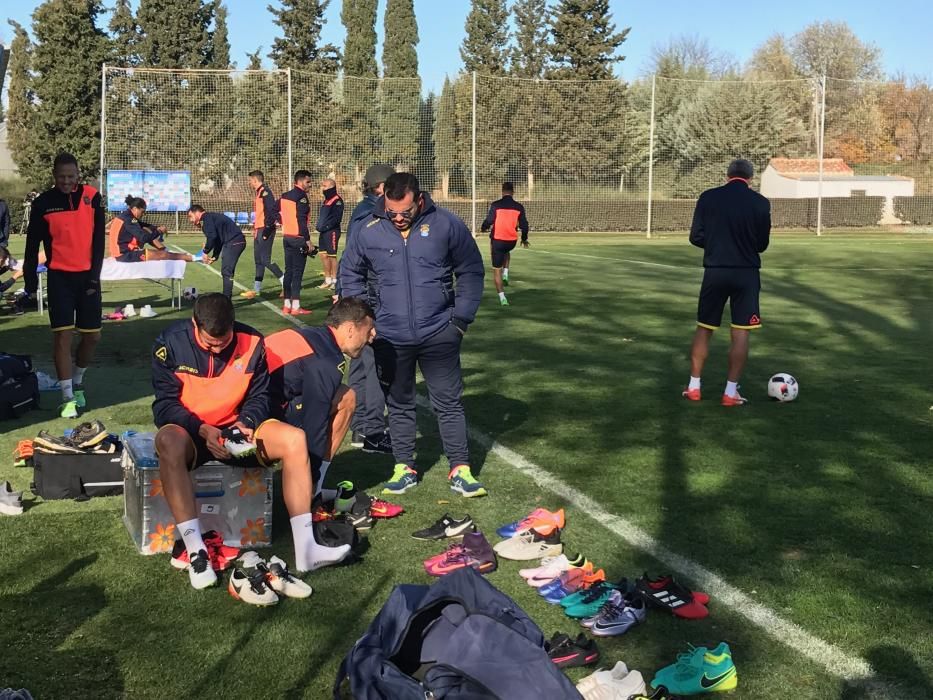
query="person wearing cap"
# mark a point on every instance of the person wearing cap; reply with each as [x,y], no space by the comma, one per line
[369,424]
[732,224]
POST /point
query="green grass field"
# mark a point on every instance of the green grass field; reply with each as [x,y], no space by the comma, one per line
[819,510]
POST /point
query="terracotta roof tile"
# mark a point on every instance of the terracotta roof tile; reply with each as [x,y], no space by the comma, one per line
[807,166]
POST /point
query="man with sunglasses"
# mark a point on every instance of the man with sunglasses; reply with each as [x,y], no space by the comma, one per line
[428,278]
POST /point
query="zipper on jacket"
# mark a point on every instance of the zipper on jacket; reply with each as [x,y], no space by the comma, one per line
[411,291]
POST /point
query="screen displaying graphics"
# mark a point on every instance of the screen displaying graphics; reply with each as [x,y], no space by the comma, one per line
[163,190]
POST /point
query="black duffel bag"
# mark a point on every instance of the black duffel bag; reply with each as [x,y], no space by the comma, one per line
[18,395]
[78,476]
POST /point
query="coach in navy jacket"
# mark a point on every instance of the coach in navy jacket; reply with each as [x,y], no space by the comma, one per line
[428,276]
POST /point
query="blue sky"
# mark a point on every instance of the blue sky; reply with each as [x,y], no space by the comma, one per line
[901,29]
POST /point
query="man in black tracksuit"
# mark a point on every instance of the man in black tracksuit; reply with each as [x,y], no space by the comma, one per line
[429,282]
[266,215]
[328,227]
[224,239]
[296,239]
[732,224]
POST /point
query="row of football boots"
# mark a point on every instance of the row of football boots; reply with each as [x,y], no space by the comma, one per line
[252,579]
[355,507]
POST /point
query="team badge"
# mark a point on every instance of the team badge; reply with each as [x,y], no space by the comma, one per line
[161,353]
[87,200]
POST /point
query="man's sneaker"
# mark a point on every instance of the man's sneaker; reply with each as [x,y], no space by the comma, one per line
[618,682]
[550,568]
[446,526]
[668,594]
[200,571]
[691,394]
[699,671]
[383,509]
[587,603]
[361,521]
[529,545]
[463,482]
[89,434]
[452,549]
[571,578]
[357,438]
[403,478]
[300,312]
[46,442]
[619,615]
[505,280]
[236,442]
[736,400]
[380,443]
[221,555]
[474,553]
[540,519]
[249,294]
[11,502]
[287,310]
[587,581]
[80,398]
[503,302]
[566,652]
[345,498]
[68,409]
[282,581]
[665,581]
[251,587]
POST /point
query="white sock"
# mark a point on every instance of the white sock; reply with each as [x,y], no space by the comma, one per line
[501,295]
[282,280]
[77,376]
[190,532]
[325,465]
[257,286]
[732,388]
[505,272]
[694,383]
[291,303]
[309,555]
[68,393]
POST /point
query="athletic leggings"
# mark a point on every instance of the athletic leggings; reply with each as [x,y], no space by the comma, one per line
[262,256]
[228,259]
[295,262]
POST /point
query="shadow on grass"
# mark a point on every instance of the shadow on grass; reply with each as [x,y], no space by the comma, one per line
[891,661]
[43,650]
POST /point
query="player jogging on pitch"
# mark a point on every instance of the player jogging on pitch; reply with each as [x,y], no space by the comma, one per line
[732,224]
[505,219]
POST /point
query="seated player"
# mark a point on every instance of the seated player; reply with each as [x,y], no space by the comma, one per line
[210,375]
[10,264]
[307,367]
[224,239]
[129,236]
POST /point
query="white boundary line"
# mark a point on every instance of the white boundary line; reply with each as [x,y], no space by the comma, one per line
[830,657]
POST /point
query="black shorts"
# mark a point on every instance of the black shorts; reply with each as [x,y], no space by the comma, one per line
[499,250]
[133,256]
[74,301]
[202,455]
[327,242]
[740,286]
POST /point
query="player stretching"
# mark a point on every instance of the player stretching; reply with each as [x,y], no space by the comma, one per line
[732,224]
[505,218]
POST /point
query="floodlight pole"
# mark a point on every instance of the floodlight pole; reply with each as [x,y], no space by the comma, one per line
[819,190]
[654,79]
[288,72]
[473,163]
[103,126]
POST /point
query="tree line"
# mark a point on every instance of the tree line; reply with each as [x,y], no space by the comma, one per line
[550,113]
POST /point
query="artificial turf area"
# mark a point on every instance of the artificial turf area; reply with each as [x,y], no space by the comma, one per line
[820,510]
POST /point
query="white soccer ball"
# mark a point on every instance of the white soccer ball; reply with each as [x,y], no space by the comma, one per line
[190,293]
[783,387]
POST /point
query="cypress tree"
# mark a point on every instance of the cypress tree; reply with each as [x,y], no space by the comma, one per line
[529,54]
[360,85]
[402,89]
[21,111]
[124,34]
[485,46]
[220,42]
[584,40]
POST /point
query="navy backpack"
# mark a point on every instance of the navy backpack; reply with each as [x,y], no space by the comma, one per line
[460,639]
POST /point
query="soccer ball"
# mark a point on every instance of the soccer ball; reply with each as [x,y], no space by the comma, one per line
[783,387]
[190,293]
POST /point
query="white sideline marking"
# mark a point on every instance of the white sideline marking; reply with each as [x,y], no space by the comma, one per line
[268,304]
[830,657]
[626,260]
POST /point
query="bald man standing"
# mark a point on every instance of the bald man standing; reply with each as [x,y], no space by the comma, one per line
[328,228]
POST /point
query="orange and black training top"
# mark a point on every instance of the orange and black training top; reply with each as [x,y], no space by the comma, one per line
[266,211]
[505,219]
[70,226]
[194,386]
[305,369]
[295,211]
[127,233]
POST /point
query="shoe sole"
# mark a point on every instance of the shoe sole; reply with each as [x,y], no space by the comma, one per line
[400,491]
[356,444]
[371,451]
[258,603]
[10,510]
[469,494]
